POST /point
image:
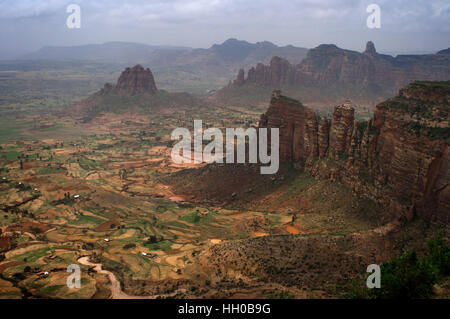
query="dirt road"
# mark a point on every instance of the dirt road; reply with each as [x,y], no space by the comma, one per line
[114,286]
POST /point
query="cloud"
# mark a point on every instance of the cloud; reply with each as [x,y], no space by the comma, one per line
[398,14]
[11,9]
[204,22]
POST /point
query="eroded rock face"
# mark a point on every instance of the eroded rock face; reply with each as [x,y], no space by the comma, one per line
[400,159]
[412,148]
[342,129]
[331,68]
[323,136]
[240,78]
[135,80]
[298,128]
[370,48]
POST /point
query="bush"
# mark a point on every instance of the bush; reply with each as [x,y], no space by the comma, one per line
[405,277]
[129,246]
[438,255]
[411,278]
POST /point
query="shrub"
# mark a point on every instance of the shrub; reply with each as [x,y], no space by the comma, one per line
[405,277]
[408,277]
[129,246]
[438,255]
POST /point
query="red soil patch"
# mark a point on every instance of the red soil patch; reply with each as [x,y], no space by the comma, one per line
[8,264]
[107,225]
[29,227]
[173,251]
[292,230]
[36,179]
[28,165]
[5,242]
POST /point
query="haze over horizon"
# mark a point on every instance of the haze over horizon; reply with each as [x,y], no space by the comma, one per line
[406,26]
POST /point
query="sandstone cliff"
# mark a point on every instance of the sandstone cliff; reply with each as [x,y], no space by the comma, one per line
[329,73]
[400,159]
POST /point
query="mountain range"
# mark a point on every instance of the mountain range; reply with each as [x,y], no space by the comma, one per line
[323,75]
[330,74]
[178,68]
[230,52]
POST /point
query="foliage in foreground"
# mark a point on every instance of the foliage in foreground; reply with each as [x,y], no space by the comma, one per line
[407,276]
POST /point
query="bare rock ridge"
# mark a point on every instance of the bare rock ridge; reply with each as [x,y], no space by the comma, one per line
[135,80]
[330,69]
[400,159]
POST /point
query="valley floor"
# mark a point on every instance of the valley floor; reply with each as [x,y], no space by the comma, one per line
[105,195]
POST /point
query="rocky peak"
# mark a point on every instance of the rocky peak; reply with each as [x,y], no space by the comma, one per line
[233,49]
[445,51]
[240,80]
[341,128]
[135,80]
[370,48]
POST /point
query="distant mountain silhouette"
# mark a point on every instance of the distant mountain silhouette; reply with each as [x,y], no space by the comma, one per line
[178,68]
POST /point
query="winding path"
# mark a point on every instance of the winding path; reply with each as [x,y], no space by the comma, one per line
[114,286]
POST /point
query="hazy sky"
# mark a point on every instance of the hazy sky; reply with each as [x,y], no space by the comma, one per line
[406,25]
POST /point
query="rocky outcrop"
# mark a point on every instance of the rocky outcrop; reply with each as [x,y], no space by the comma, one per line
[370,49]
[135,91]
[298,128]
[135,80]
[329,72]
[323,136]
[445,51]
[399,159]
[341,129]
[240,80]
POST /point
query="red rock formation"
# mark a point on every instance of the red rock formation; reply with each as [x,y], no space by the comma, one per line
[341,129]
[323,136]
[364,76]
[400,160]
[135,91]
[298,128]
[240,78]
[135,80]
[370,48]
